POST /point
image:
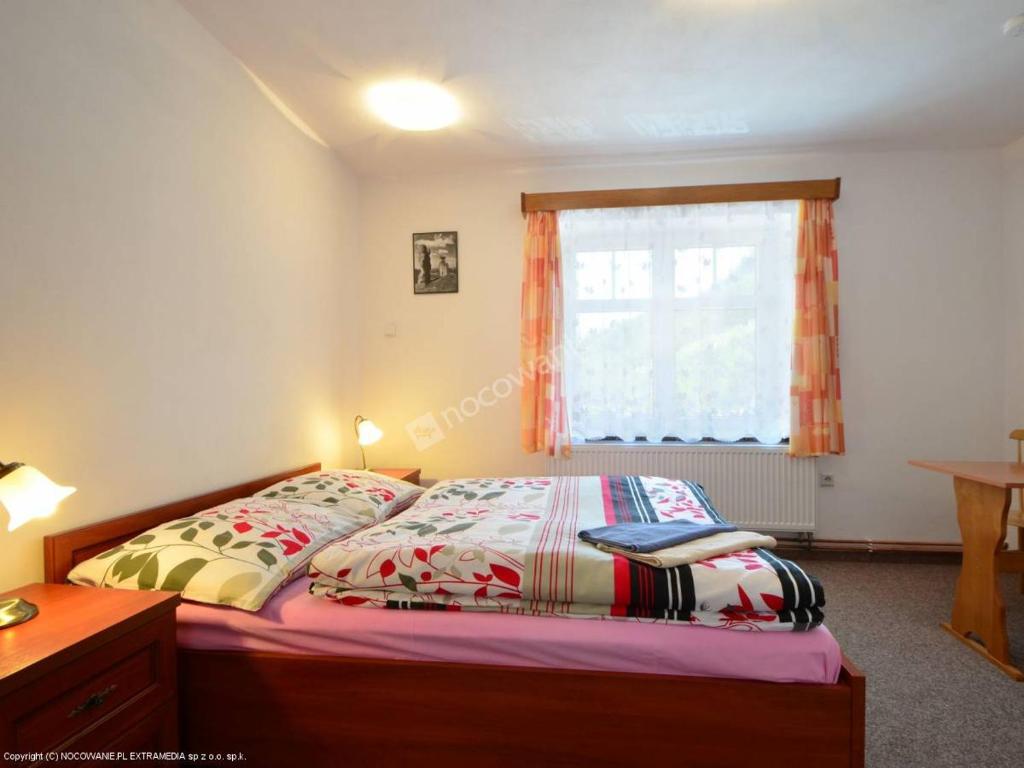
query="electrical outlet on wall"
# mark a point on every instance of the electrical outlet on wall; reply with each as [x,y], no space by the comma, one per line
[826,480]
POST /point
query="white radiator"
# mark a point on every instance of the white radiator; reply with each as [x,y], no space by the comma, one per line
[754,487]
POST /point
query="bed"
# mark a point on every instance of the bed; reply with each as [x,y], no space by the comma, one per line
[295,622]
[446,692]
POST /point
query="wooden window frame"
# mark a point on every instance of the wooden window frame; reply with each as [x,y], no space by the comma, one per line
[809,189]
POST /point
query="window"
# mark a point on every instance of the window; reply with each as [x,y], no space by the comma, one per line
[679,321]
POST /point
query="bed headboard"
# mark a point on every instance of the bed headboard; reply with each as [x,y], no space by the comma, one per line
[63,551]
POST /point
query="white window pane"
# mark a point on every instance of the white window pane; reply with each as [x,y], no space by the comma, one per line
[591,327]
[594,275]
[694,271]
[689,360]
[612,370]
[618,274]
[727,271]
[632,274]
[728,339]
[736,270]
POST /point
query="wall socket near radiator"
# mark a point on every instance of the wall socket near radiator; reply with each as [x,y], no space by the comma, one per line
[826,480]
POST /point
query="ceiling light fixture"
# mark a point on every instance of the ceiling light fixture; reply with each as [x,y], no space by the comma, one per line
[413,105]
[1014,27]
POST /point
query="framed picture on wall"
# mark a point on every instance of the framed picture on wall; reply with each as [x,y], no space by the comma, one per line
[435,262]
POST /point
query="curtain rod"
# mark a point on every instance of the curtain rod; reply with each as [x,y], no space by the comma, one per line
[811,189]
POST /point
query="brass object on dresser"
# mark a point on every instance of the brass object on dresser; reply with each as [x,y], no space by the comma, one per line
[15,611]
[96,671]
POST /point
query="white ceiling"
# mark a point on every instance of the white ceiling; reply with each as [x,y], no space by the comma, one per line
[567,78]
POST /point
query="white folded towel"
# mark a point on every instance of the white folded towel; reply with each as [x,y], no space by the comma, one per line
[698,549]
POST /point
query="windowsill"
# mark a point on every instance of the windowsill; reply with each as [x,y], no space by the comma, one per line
[673,446]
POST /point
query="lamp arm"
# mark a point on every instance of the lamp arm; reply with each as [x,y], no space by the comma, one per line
[362,452]
[6,469]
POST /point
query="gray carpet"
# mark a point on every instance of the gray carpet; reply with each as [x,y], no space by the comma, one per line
[931,701]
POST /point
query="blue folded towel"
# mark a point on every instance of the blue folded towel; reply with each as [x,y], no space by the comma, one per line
[650,537]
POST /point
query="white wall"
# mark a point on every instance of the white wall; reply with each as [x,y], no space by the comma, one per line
[177,302]
[921,261]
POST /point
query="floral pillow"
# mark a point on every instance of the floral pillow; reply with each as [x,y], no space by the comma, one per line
[357,491]
[235,554]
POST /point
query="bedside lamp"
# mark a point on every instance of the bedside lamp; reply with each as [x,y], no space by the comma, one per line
[367,433]
[26,493]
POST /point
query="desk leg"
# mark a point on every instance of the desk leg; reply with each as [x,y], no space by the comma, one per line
[978,608]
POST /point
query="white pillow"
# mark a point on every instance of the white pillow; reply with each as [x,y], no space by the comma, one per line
[355,490]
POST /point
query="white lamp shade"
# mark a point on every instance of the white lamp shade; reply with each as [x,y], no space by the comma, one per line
[413,105]
[27,494]
[368,432]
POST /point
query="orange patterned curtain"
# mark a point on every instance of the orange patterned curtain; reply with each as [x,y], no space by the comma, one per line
[816,412]
[544,426]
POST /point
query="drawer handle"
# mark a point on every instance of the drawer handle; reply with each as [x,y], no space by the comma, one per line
[94,700]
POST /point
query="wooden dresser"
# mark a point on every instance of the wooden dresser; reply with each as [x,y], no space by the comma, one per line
[95,671]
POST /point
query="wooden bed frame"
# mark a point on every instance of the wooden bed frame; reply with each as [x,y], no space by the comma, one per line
[284,709]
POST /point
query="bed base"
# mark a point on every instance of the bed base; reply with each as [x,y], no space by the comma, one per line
[285,710]
[297,710]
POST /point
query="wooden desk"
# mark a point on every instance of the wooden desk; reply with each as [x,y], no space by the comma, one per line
[983,500]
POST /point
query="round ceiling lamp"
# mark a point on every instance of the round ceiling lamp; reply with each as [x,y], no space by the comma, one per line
[413,105]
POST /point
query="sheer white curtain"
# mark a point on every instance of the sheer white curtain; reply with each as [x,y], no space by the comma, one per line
[679,320]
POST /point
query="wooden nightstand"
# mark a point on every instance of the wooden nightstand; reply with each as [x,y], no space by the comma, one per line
[96,670]
[409,475]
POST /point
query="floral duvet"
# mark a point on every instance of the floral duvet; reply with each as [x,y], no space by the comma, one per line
[510,545]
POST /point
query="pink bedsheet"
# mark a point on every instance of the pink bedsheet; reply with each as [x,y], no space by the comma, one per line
[295,622]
